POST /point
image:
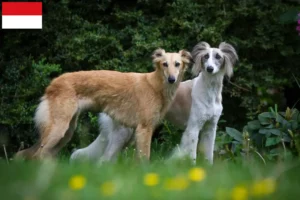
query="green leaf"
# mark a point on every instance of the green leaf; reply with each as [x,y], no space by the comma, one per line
[296,114]
[254,125]
[271,131]
[272,141]
[266,115]
[294,124]
[265,118]
[235,134]
[281,119]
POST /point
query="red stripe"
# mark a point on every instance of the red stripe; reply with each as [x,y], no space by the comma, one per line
[21,8]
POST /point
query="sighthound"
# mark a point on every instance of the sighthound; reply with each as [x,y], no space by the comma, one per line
[197,106]
[136,100]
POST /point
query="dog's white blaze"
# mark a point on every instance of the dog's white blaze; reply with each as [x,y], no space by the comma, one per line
[210,61]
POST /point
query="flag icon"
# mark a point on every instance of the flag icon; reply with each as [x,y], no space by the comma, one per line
[21,15]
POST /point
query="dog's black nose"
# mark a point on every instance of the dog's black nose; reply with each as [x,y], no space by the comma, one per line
[171,79]
[210,69]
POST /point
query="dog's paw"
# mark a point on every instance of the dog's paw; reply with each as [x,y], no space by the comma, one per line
[77,155]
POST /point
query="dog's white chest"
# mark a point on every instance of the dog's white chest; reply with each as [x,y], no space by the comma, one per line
[206,101]
[207,111]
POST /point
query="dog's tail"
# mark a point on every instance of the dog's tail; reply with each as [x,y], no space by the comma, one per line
[42,122]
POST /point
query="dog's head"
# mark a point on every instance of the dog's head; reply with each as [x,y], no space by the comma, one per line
[171,64]
[214,60]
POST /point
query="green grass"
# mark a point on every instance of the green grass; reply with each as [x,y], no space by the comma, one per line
[50,180]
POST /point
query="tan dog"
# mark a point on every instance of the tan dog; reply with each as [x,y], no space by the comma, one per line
[137,100]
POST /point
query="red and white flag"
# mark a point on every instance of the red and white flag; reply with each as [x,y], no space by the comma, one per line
[22,15]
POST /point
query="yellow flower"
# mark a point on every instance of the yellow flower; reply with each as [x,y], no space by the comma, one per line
[77,182]
[108,188]
[197,174]
[151,179]
[177,183]
[239,193]
[264,187]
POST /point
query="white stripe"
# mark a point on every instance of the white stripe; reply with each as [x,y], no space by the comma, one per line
[22,22]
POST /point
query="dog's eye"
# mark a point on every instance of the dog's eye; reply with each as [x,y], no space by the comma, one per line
[165,64]
[206,56]
[177,64]
[218,56]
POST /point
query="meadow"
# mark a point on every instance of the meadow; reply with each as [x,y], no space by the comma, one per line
[158,179]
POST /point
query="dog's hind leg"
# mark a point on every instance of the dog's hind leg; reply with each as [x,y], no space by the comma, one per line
[68,135]
[92,152]
[143,140]
[96,149]
[54,131]
[50,145]
[117,140]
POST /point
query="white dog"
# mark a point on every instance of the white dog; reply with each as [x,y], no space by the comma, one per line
[197,106]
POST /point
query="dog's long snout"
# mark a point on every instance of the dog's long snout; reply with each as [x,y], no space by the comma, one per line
[171,79]
[209,69]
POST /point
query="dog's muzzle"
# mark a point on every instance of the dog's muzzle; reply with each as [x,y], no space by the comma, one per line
[209,69]
[171,79]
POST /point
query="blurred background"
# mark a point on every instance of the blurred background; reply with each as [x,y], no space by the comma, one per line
[121,35]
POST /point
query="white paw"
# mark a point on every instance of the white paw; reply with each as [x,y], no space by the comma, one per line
[77,155]
[180,154]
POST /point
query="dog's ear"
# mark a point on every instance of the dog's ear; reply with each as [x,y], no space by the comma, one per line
[197,54]
[185,56]
[158,54]
[230,57]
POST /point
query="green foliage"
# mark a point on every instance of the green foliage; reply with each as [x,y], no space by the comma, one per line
[275,134]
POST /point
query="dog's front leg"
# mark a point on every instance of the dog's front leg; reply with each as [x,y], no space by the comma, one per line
[143,140]
[189,140]
[207,142]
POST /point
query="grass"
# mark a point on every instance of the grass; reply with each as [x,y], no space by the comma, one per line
[128,179]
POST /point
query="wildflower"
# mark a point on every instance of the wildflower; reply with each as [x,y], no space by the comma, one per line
[239,193]
[151,179]
[263,187]
[77,182]
[178,183]
[108,188]
[197,174]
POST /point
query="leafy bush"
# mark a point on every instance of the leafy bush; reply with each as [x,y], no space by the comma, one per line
[275,134]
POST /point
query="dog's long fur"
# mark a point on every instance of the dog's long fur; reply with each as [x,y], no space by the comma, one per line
[196,106]
[134,100]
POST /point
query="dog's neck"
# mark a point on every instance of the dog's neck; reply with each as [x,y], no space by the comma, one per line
[211,86]
[168,91]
